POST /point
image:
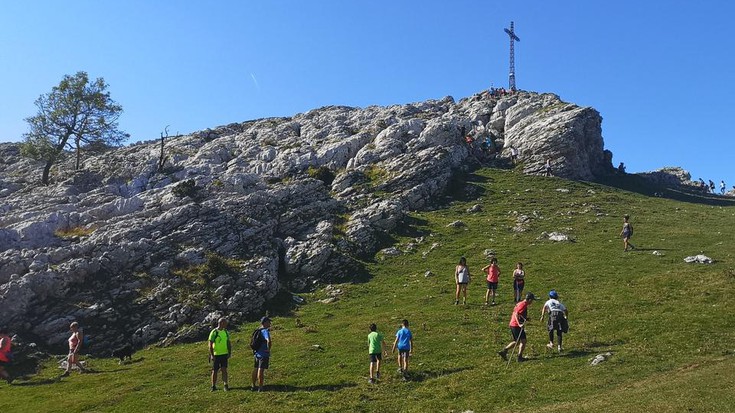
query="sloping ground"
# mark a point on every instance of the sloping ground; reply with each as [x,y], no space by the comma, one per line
[669,325]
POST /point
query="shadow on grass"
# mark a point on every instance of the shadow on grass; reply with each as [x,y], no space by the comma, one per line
[422,375]
[573,354]
[42,382]
[317,387]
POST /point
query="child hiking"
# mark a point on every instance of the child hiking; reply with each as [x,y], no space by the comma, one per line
[493,274]
[376,346]
[404,343]
[462,278]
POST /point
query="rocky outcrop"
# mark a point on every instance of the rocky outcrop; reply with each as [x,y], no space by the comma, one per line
[241,212]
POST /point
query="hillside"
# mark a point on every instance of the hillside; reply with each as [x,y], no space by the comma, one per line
[668,324]
[152,243]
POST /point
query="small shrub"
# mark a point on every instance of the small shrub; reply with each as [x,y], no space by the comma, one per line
[72,233]
[186,188]
[322,173]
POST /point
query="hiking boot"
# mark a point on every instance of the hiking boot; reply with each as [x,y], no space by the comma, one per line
[65,374]
[253,388]
[214,388]
[227,388]
[503,354]
[9,380]
[550,346]
[377,375]
[521,359]
[456,302]
[371,381]
[560,348]
[493,302]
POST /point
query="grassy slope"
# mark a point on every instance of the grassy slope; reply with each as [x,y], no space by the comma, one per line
[669,324]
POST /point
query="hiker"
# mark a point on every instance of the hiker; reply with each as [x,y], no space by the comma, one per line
[493,274]
[519,281]
[6,355]
[462,278]
[518,328]
[547,168]
[513,154]
[75,344]
[220,350]
[626,233]
[262,341]
[558,315]
[722,187]
[376,347]
[711,186]
[621,168]
[404,343]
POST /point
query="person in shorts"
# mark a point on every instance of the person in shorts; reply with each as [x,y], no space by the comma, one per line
[376,346]
[75,345]
[262,355]
[519,281]
[461,278]
[493,274]
[627,233]
[220,350]
[558,314]
[517,328]
[404,343]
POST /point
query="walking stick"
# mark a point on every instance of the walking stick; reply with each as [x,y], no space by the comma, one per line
[515,345]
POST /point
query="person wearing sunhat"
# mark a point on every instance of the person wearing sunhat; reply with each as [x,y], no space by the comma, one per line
[558,314]
[262,354]
[517,328]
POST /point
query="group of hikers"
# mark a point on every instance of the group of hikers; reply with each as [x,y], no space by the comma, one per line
[220,345]
[710,186]
[557,311]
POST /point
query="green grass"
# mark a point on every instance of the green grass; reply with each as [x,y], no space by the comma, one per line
[669,324]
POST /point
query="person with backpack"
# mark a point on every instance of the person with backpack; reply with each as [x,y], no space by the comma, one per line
[376,347]
[627,233]
[75,344]
[220,350]
[558,314]
[493,274]
[518,328]
[462,278]
[404,343]
[6,355]
[260,343]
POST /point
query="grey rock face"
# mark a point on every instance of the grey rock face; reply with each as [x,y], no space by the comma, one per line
[241,211]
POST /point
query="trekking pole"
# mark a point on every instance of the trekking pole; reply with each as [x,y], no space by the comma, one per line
[515,345]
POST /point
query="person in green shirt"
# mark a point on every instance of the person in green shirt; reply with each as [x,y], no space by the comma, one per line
[376,346]
[220,350]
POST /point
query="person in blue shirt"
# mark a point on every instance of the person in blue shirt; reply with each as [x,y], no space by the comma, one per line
[262,354]
[404,343]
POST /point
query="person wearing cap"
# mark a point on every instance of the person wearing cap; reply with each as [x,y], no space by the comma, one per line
[262,354]
[517,328]
[220,350]
[558,314]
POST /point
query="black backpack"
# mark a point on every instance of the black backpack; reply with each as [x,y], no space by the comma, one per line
[257,339]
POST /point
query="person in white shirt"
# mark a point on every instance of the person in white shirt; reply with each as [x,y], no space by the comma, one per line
[558,314]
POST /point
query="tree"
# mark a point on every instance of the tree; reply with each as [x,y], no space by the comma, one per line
[74,115]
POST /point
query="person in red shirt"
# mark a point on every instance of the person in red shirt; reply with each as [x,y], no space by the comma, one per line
[493,273]
[5,355]
[517,328]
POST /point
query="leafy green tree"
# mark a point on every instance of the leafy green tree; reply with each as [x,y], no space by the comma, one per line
[76,114]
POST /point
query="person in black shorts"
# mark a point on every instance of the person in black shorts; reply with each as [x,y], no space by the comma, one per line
[220,349]
[262,356]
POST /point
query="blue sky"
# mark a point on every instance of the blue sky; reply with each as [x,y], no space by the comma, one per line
[659,72]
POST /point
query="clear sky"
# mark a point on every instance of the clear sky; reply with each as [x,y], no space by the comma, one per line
[660,72]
